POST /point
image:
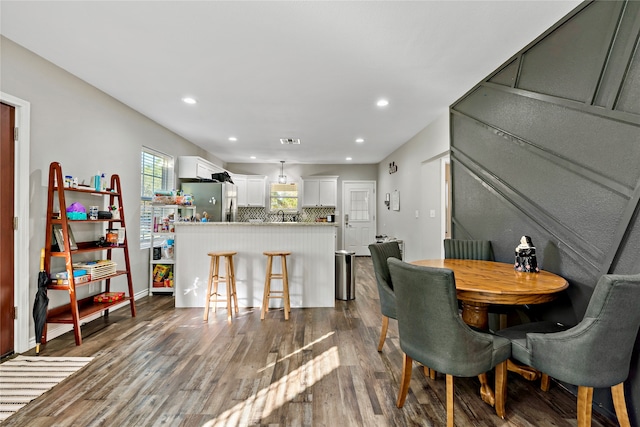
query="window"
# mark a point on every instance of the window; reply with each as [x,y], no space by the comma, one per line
[359,206]
[156,173]
[283,197]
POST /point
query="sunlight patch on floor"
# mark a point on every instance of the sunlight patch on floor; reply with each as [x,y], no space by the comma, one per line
[270,365]
[280,392]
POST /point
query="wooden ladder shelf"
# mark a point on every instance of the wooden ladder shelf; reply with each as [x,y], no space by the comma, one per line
[79,309]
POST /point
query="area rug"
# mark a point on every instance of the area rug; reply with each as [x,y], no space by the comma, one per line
[24,378]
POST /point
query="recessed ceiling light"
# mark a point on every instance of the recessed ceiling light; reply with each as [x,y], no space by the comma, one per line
[360,140]
[189,100]
[233,139]
[252,157]
[382,103]
[290,141]
[348,158]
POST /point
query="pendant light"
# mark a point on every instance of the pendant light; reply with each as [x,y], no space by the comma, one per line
[282,178]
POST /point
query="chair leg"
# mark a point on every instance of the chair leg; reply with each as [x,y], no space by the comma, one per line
[450,400]
[503,322]
[585,399]
[232,278]
[216,281]
[620,405]
[267,289]
[285,288]
[405,379]
[501,388]
[209,285]
[428,372]
[545,382]
[383,332]
[229,290]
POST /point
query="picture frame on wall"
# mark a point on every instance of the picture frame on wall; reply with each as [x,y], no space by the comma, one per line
[58,236]
[395,200]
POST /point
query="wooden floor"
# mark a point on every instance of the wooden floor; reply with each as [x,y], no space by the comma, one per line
[320,368]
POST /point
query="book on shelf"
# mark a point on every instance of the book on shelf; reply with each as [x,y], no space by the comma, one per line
[76,279]
[64,275]
[162,276]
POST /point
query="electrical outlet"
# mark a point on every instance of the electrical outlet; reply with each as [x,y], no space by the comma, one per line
[432,213]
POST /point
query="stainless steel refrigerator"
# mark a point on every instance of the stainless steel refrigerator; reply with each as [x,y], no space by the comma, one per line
[218,199]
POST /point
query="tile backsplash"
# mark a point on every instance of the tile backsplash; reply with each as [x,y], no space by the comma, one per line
[306,215]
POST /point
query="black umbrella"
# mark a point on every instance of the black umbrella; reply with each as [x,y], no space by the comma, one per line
[41,303]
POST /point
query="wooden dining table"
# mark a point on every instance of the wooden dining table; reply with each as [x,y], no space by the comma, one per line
[480,284]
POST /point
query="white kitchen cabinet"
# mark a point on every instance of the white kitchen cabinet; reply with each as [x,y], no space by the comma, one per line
[320,191]
[194,167]
[251,190]
[256,191]
[241,186]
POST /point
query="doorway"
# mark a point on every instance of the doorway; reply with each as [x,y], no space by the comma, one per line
[359,216]
[434,222]
[447,194]
[20,229]
[7,276]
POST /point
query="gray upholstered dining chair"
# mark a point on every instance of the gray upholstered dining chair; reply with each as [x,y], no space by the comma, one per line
[379,254]
[468,249]
[478,250]
[433,333]
[596,353]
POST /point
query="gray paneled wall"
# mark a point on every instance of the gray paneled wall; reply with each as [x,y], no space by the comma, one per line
[549,146]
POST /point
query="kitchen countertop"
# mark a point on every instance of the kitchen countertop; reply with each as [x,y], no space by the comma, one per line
[279,224]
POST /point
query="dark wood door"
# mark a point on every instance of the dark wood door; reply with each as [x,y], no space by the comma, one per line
[7,165]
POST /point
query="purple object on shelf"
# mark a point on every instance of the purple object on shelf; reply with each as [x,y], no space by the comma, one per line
[76,207]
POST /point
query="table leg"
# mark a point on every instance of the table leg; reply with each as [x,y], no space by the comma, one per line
[527,372]
[476,314]
[486,392]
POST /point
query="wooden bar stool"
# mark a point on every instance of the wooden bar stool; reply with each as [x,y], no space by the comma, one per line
[268,292]
[215,278]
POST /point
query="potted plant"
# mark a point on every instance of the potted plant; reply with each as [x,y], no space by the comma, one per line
[115,211]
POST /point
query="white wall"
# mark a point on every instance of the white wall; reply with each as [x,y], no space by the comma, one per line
[86,131]
[418,181]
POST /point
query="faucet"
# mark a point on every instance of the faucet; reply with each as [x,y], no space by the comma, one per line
[281,212]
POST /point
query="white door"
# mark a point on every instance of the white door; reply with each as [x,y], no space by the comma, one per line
[359,216]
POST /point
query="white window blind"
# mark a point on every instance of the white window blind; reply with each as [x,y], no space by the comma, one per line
[283,197]
[156,173]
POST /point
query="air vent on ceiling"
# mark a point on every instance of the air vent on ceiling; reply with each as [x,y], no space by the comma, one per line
[290,141]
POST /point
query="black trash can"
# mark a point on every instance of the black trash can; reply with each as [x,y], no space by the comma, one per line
[345,275]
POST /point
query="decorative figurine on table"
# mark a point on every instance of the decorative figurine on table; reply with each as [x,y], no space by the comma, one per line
[526,260]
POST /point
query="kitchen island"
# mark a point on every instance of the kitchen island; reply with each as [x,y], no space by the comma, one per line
[311,266]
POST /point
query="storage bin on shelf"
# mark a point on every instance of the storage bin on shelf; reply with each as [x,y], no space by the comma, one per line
[167,197]
[97,269]
[160,199]
[78,216]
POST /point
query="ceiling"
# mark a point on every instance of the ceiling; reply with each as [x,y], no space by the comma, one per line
[266,70]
